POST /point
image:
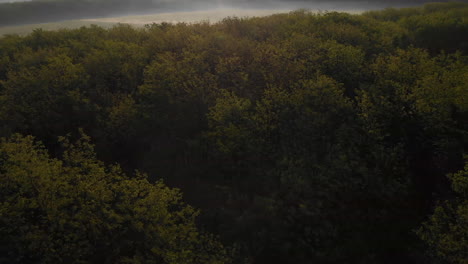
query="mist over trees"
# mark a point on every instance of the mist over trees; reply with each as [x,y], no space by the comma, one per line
[294,138]
[41,11]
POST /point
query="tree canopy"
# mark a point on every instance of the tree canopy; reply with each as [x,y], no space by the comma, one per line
[77,210]
[300,137]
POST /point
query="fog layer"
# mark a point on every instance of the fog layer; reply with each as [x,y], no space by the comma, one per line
[42,11]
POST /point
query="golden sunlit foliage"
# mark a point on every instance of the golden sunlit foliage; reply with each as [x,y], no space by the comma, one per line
[77,210]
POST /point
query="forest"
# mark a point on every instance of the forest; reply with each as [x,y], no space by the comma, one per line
[294,138]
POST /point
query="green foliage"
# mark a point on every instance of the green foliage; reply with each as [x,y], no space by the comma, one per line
[436,26]
[295,142]
[303,137]
[446,231]
[114,67]
[77,210]
[226,117]
[35,97]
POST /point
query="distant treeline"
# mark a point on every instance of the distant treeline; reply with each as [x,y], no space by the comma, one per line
[302,137]
[41,11]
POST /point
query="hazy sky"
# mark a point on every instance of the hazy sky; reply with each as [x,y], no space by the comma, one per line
[9,1]
[60,10]
[300,3]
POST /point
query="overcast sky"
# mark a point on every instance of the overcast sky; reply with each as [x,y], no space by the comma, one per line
[9,1]
[59,10]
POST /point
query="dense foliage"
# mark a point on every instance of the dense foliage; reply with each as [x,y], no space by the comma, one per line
[447,229]
[302,137]
[76,210]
